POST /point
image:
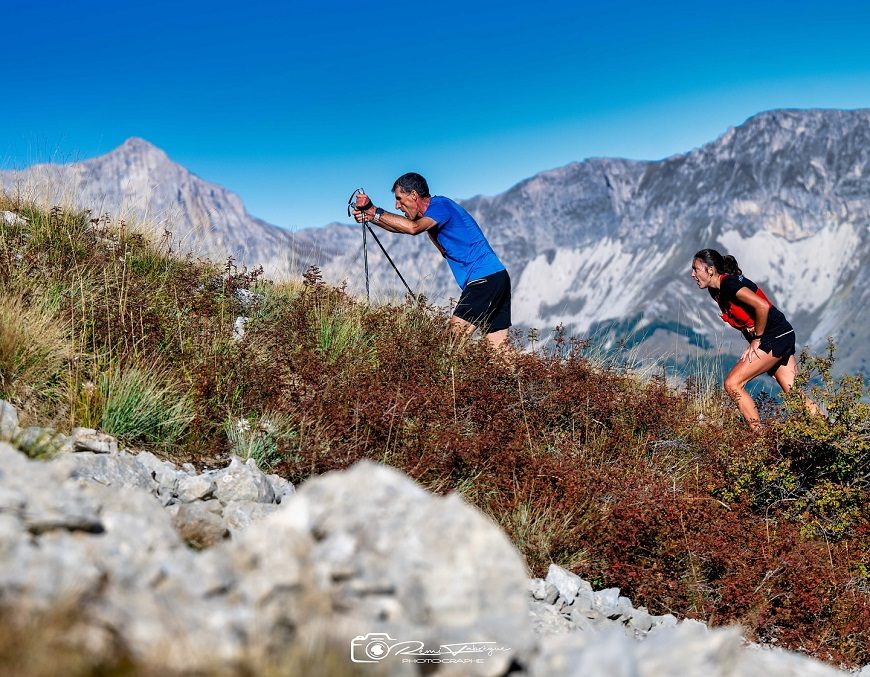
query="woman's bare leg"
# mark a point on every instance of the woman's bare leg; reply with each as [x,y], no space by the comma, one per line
[785,376]
[741,374]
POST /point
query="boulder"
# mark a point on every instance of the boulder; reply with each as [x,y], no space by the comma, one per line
[689,650]
[362,559]
[398,561]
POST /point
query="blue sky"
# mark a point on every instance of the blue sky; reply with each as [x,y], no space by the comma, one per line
[293,105]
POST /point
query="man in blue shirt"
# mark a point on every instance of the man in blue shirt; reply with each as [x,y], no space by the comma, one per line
[485,302]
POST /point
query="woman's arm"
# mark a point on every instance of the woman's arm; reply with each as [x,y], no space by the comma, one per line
[759,306]
[760,309]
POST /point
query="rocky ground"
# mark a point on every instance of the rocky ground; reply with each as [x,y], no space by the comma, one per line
[224,569]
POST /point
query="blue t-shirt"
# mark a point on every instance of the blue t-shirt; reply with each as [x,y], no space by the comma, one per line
[468,253]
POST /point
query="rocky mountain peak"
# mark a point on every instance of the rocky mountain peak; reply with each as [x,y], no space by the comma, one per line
[136,145]
[139,153]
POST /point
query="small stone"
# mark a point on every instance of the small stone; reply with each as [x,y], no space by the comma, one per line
[243,482]
[117,469]
[693,624]
[623,607]
[239,328]
[585,600]
[164,473]
[605,601]
[240,515]
[194,488]
[37,441]
[198,526]
[581,619]
[566,583]
[13,219]
[552,594]
[8,420]
[282,488]
[247,298]
[666,621]
[538,588]
[640,620]
[88,439]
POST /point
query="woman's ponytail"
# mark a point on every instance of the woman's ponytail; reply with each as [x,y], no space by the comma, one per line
[730,266]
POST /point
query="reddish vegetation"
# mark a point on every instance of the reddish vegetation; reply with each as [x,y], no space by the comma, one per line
[627,461]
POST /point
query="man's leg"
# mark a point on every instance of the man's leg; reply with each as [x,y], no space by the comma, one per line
[484,304]
[497,339]
[461,327]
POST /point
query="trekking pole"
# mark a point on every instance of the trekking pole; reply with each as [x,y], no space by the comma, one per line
[389,259]
[366,256]
[351,205]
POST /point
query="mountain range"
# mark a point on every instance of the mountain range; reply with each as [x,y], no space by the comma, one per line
[601,247]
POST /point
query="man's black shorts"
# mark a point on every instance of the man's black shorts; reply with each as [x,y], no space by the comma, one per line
[486,302]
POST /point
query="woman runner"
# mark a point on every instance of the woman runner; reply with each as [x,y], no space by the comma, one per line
[745,307]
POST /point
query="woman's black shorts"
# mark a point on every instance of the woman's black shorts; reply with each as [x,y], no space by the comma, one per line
[486,302]
[779,342]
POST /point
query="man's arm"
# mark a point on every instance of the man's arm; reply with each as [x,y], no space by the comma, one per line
[396,223]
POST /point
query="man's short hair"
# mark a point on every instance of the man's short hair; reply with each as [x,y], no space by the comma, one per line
[412,181]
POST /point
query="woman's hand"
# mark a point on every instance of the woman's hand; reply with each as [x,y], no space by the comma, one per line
[751,350]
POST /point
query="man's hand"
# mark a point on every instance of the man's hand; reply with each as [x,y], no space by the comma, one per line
[360,214]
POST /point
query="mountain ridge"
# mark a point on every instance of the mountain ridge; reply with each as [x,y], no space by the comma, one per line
[589,244]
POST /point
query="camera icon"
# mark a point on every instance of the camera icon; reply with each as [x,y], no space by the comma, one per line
[371,647]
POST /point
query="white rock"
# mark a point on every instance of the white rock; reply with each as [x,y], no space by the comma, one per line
[8,420]
[13,219]
[566,583]
[88,439]
[194,487]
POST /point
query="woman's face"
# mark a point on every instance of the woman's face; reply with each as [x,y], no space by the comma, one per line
[702,273]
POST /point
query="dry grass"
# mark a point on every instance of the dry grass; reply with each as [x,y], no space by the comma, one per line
[34,349]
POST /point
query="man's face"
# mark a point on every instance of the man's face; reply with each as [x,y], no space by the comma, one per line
[408,203]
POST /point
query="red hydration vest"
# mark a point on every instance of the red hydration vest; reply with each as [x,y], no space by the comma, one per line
[736,313]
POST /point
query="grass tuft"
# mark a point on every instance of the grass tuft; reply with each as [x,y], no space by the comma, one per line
[139,406]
